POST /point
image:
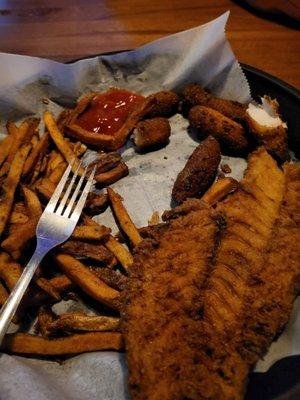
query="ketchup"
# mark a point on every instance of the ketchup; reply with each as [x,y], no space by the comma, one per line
[108,111]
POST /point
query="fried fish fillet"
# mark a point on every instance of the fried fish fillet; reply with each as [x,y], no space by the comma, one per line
[161,303]
[250,214]
[276,285]
[204,348]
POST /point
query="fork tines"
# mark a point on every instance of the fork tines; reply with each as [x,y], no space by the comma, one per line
[65,201]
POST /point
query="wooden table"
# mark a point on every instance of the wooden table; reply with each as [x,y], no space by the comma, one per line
[68,29]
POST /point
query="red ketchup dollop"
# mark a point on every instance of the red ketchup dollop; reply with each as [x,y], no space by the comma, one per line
[108,111]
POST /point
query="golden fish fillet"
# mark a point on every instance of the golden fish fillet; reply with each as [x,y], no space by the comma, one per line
[161,303]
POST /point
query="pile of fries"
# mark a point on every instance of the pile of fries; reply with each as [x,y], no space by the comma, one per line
[92,265]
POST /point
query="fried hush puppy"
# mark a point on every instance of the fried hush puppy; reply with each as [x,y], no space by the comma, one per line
[194,95]
[230,134]
[266,125]
[165,105]
[151,133]
[199,171]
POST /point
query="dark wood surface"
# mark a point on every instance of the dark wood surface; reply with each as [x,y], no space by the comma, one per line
[68,29]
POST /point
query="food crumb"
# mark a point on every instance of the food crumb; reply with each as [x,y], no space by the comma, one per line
[155,219]
[225,168]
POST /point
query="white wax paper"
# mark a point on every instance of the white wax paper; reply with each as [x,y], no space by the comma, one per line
[200,55]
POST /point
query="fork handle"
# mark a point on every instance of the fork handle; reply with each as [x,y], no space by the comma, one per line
[10,306]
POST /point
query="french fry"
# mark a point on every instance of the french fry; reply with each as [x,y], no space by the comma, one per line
[79,149]
[47,287]
[119,251]
[45,188]
[22,136]
[3,294]
[59,141]
[88,281]
[97,232]
[37,153]
[95,252]
[34,296]
[10,184]
[24,343]
[10,271]
[57,173]
[18,218]
[112,176]
[112,278]
[123,217]
[5,147]
[17,240]
[20,207]
[45,317]
[54,159]
[32,202]
[220,189]
[82,322]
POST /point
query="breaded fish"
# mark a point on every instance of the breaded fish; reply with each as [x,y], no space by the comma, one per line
[197,335]
[161,303]
[275,286]
[250,214]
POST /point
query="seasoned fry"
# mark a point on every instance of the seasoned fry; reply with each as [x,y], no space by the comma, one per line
[82,322]
[112,278]
[24,343]
[54,159]
[32,202]
[18,218]
[97,232]
[34,296]
[112,176]
[220,189]
[3,294]
[5,147]
[10,271]
[36,154]
[88,281]
[45,317]
[45,188]
[15,242]
[55,176]
[47,287]
[123,217]
[10,184]
[120,252]
[23,136]
[61,144]
[95,252]
[230,134]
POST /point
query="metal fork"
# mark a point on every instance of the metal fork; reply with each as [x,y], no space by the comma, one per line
[54,227]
